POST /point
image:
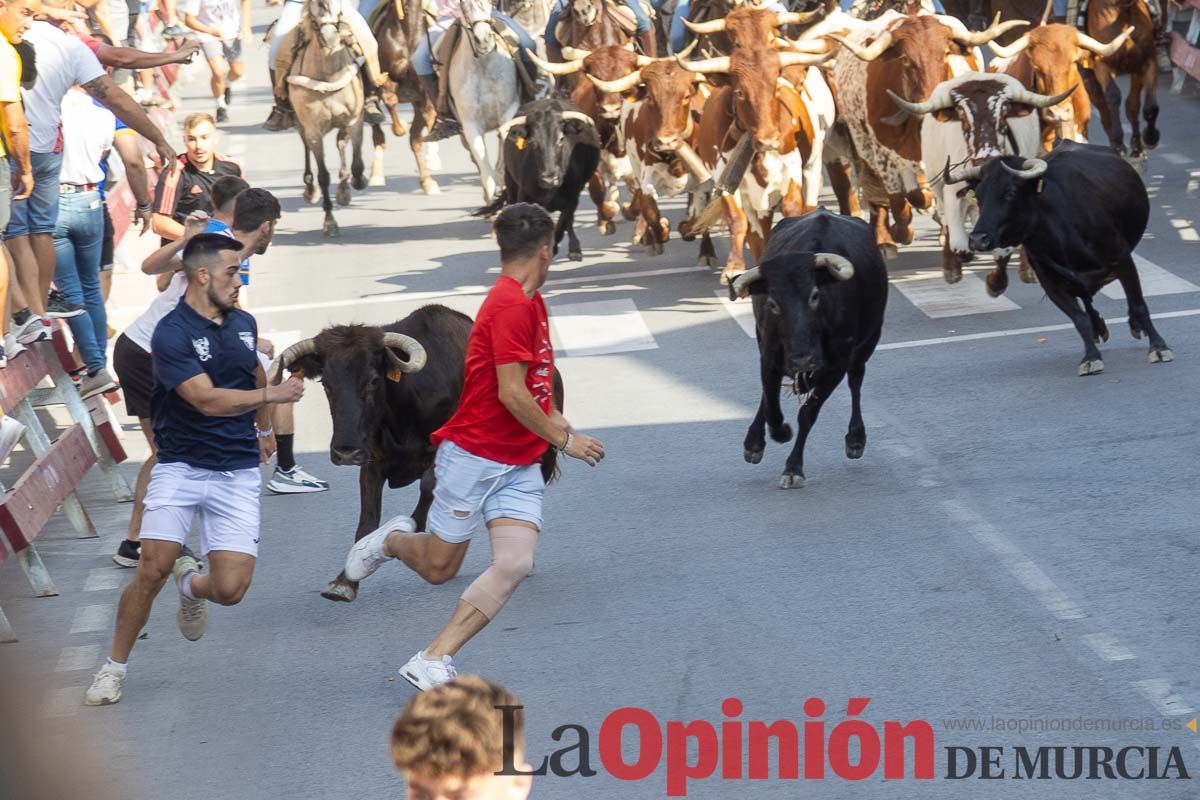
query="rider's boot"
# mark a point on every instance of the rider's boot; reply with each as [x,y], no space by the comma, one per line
[282,115]
[446,126]
[372,106]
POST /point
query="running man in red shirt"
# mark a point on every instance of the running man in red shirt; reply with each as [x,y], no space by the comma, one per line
[487,464]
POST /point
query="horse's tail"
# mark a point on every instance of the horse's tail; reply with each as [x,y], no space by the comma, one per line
[493,208]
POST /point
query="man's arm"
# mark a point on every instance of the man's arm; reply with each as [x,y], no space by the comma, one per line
[130,58]
[18,149]
[165,259]
[128,111]
[246,33]
[210,401]
[515,396]
[100,9]
[125,142]
[262,422]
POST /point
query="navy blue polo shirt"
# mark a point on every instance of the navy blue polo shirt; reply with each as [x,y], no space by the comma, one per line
[185,345]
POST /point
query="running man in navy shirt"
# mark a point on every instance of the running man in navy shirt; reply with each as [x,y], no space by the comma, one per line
[209,387]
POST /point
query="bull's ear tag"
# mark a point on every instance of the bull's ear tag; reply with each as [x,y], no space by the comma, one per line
[1041,183]
[394,375]
[520,144]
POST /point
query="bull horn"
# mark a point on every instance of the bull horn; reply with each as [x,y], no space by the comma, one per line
[705,65]
[300,349]
[963,36]
[1104,50]
[512,123]
[1046,12]
[916,109]
[960,175]
[811,46]
[411,347]
[575,54]
[565,68]
[838,266]
[684,53]
[644,61]
[1008,51]
[804,59]
[796,17]
[710,27]
[619,86]
[579,116]
[868,53]
[741,284]
[1040,100]
[1032,168]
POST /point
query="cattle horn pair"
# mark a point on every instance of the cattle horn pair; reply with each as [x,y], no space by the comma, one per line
[837,266]
[868,52]
[1032,168]
[960,34]
[781,18]
[410,346]
[512,123]
[720,64]
[1016,96]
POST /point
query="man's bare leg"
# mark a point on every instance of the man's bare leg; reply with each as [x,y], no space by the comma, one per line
[26,274]
[426,554]
[228,577]
[153,569]
[143,483]
[43,251]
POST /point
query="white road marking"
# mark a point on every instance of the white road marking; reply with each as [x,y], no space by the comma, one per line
[599,327]
[103,578]
[1158,692]
[742,311]
[1108,647]
[63,702]
[938,299]
[1154,279]
[92,618]
[71,659]
[1186,232]
[1019,564]
[974,337]
[1178,159]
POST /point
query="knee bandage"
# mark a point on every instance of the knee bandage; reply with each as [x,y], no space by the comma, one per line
[512,559]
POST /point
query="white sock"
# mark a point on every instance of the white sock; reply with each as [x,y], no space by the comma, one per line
[221,101]
[115,665]
[185,586]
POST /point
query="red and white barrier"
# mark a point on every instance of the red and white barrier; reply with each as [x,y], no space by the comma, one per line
[1185,49]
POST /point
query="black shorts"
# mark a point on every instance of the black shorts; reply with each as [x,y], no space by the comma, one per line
[136,375]
[106,244]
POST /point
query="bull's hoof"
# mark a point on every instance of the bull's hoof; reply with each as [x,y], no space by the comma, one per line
[1101,330]
[753,456]
[890,251]
[310,193]
[377,180]
[340,592]
[902,235]
[654,248]
[607,227]
[706,260]
[343,194]
[628,212]
[781,433]
[330,228]
[952,274]
[1092,366]
[359,182]
[855,449]
[575,255]
[997,283]
[1161,355]
[1134,329]
[430,186]
[729,275]
[1150,137]
[791,480]
[685,230]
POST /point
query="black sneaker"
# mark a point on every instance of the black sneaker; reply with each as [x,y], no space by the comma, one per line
[222,114]
[128,554]
[228,95]
[279,120]
[58,307]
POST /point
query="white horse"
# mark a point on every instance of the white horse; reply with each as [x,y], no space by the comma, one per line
[484,87]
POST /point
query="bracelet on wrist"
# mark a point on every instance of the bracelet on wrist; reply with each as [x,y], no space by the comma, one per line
[567,444]
[268,433]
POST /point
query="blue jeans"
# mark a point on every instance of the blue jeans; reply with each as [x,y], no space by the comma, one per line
[563,7]
[422,57]
[78,238]
[677,34]
[37,213]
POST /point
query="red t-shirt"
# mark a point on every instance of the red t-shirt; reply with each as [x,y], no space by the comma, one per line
[511,328]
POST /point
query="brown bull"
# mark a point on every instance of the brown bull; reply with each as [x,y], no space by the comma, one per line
[1048,60]
[1136,58]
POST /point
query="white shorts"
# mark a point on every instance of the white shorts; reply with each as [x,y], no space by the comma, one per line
[471,490]
[228,503]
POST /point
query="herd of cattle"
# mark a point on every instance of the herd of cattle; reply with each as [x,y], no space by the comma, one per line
[899,111]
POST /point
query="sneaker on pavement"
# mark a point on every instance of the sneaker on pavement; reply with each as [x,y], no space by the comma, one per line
[193,614]
[35,329]
[99,383]
[11,432]
[127,554]
[12,348]
[222,114]
[367,554]
[426,673]
[176,30]
[295,481]
[58,307]
[106,687]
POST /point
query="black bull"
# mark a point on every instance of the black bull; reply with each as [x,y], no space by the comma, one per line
[1079,212]
[550,150]
[382,416]
[819,298]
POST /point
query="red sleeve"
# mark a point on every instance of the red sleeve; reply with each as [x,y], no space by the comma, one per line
[513,330]
[92,43]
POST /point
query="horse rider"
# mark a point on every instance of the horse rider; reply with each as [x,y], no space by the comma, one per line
[448,13]
[362,42]
[644,31]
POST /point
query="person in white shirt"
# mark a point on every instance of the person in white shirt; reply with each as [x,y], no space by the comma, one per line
[223,26]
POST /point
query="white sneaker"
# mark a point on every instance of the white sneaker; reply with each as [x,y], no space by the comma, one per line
[295,481]
[193,614]
[11,432]
[367,554]
[12,348]
[35,329]
[426,673]
[106,687]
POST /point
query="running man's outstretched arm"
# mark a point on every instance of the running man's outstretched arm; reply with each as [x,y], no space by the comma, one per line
[118,101]
[554,428]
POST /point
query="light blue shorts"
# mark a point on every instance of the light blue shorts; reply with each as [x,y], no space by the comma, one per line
[471,490]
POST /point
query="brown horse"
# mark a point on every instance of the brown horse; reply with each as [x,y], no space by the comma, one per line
[591,24]
[1136,58]
[398,26]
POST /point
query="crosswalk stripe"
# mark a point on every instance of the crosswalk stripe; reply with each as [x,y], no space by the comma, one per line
[599,327]
[1155,281]
[742,311]
[937,299]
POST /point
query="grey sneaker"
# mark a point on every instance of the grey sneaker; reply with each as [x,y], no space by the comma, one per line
[59,307]
[106,687]
[175,30]
[426,673]
[99,383]
[367,555]
[193,614]
[295,481]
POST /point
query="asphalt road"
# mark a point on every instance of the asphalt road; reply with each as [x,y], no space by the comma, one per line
[1017,543]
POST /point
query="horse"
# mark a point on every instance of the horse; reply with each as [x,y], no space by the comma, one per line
[398,26]
[484,87]
[327,95]
[590,25]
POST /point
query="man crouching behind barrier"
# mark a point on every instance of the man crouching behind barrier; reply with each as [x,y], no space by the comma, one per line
[488,454]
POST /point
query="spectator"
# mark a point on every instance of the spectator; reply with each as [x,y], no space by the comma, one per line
[182,191]
[15,17]
[450,741]
[223,26]
[62,61]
